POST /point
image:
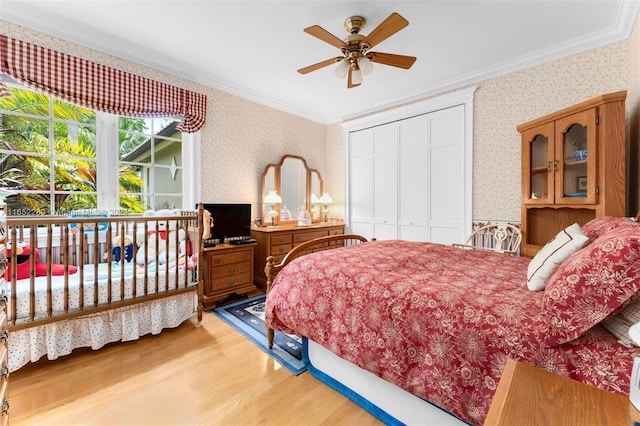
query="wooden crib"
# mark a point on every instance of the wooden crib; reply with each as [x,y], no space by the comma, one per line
[91,279]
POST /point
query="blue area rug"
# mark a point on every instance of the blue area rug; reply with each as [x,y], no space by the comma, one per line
[247,317]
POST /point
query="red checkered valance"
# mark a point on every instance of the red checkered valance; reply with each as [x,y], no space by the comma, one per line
[97,86]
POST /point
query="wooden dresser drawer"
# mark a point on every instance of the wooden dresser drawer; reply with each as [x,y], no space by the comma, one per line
[301,237]
[4,418]
[281,249]
[4,297]
[231,269]
[229,258]
[4,332]
[277,240]
[234,280]
[4,369]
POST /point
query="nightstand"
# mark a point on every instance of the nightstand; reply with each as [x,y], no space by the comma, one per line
[227,269]
[528,395]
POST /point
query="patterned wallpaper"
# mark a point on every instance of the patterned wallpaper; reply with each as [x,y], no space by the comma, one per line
[503,103]
[334,182]
[241,137]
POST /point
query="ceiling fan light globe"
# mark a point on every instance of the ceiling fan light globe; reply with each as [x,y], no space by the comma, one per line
[365,65]
[356,76]
[342,69]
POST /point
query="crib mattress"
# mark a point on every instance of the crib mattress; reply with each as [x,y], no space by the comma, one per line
[84,286]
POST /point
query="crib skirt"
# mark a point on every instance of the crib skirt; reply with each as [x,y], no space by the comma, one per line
[96,330]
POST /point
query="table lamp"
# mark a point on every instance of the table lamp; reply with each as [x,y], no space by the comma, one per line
[325,200]
[272,199]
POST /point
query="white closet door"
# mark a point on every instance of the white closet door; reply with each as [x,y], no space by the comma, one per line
[361,182]
[413,177]
[385,178]
[409,171]
[445,142]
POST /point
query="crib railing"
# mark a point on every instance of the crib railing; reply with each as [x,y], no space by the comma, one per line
[91,278]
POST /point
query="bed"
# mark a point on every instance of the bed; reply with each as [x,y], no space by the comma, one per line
[434,325]
[89,279]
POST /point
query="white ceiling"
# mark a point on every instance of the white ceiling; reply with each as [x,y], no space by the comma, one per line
[253,48]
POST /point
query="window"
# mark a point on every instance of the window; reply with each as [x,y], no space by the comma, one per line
[53,154]
[150,154]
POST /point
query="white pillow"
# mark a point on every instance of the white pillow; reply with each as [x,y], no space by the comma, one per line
[556,251]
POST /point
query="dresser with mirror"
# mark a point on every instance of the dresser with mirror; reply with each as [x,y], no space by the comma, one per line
[298,187]
[289,187]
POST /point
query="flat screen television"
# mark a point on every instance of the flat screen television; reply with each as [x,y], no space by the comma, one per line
[230,221]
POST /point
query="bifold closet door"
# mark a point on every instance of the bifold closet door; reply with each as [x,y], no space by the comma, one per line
[406,178]
[413,174]
[373,178]
[360,175]
[447,167]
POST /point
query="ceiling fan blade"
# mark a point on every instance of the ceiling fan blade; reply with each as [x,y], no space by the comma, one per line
[326,36]
[400,61]
[386,29]
[319,65]
[350,81]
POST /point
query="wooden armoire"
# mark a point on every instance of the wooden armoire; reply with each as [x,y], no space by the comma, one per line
[573,168]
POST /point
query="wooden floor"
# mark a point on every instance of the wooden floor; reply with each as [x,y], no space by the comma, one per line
[207,375]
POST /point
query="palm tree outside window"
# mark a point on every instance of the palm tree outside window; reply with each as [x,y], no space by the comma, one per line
[49,157]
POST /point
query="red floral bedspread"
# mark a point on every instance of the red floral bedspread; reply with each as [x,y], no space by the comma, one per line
[435,320]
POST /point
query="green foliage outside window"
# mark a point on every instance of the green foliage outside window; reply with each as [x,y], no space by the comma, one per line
[31,143]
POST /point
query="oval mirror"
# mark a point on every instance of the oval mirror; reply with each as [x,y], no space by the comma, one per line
[293,186]
[295,183]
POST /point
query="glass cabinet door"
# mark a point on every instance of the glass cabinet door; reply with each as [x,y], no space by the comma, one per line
[538,151]
[575,158]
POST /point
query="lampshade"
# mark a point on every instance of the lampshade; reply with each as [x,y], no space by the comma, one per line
[356,76]
[365,65]
[272,198]
[342,69]
[326,198]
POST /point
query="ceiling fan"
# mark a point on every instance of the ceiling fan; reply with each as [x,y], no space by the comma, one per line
[356,58]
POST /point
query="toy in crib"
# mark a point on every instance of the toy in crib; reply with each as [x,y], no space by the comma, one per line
[116,243]
[162,233]
[23,252]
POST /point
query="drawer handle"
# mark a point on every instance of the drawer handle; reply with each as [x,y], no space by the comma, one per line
[281,250]
[232,270]
[4,335]
[5,406]
[4,371]
[217,260]
[232,282]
